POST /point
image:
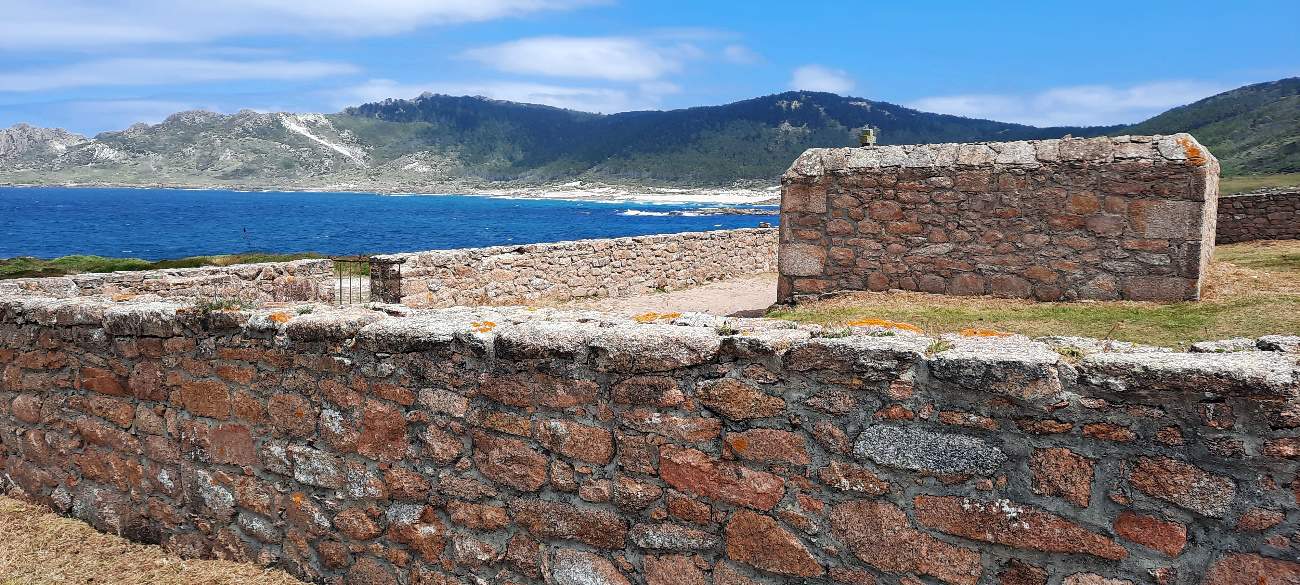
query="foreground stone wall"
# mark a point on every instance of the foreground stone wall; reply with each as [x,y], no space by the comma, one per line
[473,446]
[560,271]
[1101,218]
[300,280]
[1259,216]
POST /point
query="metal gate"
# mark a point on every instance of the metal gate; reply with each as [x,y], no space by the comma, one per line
[362,279]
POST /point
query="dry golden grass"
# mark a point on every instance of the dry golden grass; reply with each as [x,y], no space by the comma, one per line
[38,547]
[1252,289]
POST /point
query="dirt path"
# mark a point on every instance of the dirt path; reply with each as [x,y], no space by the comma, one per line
[747,296]
[39,547]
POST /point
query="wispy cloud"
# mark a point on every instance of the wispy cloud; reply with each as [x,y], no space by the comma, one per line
[582,98]
[41,24]
[611,58]
[1081,105]
[821,78]
[149,71]
[740,55]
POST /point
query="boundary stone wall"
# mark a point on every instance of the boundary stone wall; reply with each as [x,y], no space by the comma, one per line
[560,271]
[1259,216]
[510,446]
[299,280]
[1131,217]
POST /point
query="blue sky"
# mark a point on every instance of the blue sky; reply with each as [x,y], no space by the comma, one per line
[95,65]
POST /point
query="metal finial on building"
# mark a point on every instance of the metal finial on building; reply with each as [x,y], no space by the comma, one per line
[868,136]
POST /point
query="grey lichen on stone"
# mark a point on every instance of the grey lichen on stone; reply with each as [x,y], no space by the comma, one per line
[1286,343]
[330,325]
[653,347]
[158,319]
[1013,366]
[541,339]
[1248,373]
[1224,345]
[917,449]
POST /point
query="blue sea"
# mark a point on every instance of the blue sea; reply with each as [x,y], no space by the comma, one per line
[159,224]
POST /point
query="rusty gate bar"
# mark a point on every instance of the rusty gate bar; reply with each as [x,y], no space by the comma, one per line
[363,279]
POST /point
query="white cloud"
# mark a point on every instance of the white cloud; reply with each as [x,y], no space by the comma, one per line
[35,24]
[612,58]
[1082,105]
[586,99]
[740,55]
[151,71]
[820,78]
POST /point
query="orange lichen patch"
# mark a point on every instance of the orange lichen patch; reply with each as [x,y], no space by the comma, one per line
[887,324]
[483,326]
[975,332]
[117,298]
[279,317]
[652,317]
[1195,156]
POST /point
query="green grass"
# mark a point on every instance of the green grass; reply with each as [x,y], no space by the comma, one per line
[25,267]
[1245,183]
[1169,325]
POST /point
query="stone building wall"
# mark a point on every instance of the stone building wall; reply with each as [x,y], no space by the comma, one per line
[510,446]
[559,271]
[1100,218]
[1259,216]
[300,280]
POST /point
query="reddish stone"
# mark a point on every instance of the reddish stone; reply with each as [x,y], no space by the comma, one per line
[689,429]
[769,446]
[302,512]
[292,414]
[1259,520]
[1018,572]
[852,478]
[1093,579]
[502,422]
[27,408]
[102,381]
[538,390]
[636,454]
[441,446]
[630,494]
[851,576]
[830,437]
[680,506]
[369,571]
[1043,426]
[579,441]
[383,432]
[1108,432]
[477,516]
[761,542]
[232,444]
[509,461]
[404,484]
[968,419]
[208,398]
[1252,570]
[737,400]
[1011,524]
[895,412]
[554,520]
[356,524]
[524,554]
[114,410]
[1062,472]
[419,528]
[726,574]
[1170,436]
[1184,485]
[659,391]
[1151,532]
[334,555]
[672,570]
[695,472]
[596,490]
[1284,448]
[879,534]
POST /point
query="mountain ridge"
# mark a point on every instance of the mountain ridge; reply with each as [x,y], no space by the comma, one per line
[444,143]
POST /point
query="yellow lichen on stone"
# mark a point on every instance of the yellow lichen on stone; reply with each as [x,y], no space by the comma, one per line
[279,318]
[1195,156]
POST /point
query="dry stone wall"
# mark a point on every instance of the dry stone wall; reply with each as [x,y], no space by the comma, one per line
[300,280]
[560,271]
[1259,216]
[510,446]
[1130,217]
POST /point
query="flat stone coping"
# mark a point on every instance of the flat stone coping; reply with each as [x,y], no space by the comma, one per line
[1181,149]
[1043,368]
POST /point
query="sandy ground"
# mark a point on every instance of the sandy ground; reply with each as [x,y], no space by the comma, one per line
[39,547]
[747,296]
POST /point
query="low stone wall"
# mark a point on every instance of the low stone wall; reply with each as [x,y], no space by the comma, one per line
[1259,216]
[300,280]
[559,271]
[513,446]
[1130,217]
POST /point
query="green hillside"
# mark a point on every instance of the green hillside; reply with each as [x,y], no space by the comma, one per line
[1253,129]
